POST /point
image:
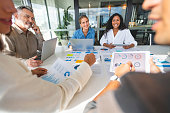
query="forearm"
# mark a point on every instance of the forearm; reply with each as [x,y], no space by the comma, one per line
[113,85]
[131,45]
[82,75]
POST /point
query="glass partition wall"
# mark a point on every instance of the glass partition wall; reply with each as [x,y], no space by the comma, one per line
[56,17]
[140,25]
[18,2]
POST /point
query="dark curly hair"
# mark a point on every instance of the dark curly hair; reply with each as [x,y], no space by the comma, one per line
[109,23]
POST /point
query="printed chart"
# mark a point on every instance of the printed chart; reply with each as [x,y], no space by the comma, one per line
[78,56]
[59,71]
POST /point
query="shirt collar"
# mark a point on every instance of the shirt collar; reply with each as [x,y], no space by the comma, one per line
[17,29]
[88,30]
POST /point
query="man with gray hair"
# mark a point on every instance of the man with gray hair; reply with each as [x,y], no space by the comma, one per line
[22,43]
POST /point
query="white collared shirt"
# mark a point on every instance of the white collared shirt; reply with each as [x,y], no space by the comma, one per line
[122,37]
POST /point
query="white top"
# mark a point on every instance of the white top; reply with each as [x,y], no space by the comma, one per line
[122,37]
[20,91]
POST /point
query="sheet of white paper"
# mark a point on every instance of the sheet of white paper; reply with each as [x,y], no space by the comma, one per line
[59,71]
[162,61]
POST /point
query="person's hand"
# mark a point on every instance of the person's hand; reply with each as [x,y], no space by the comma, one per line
[129,46]
[90,59]
[70,47]
[33,63]
[36,28]
[39,71]
[109,45]
[124,68]
[153,67]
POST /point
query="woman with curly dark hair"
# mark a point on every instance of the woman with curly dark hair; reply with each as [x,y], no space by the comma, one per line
[117,33]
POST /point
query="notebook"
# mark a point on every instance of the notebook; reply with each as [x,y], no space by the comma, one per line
[48,49]
[82,44]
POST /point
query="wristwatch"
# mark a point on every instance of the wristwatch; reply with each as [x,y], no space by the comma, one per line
[114,77]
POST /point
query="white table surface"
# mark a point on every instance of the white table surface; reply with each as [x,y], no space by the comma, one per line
[96,83]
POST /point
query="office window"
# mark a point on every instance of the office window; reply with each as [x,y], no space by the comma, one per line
[61,16]
[17,3]
[41,18]
[50,16]
[140,25]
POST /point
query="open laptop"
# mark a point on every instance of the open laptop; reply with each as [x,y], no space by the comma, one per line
[48,49]
[82,44]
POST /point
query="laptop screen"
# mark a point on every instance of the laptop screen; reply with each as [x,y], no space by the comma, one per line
[48,48]
[82,44]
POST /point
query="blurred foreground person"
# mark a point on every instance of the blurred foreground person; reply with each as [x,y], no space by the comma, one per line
[23,92]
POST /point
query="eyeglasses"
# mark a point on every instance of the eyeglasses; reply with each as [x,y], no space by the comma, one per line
[28,16]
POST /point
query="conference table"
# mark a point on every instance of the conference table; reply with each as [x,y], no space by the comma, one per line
[101,74]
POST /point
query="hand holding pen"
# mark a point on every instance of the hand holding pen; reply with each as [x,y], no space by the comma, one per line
[124,68]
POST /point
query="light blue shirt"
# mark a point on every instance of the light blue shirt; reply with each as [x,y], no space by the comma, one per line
[78,34]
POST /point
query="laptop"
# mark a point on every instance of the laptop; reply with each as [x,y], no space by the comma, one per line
[48,49]
[82,44]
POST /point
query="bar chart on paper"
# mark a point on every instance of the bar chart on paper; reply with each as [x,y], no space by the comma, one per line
[59,71]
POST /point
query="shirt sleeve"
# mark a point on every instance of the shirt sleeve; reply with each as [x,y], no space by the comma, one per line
[90,107]
[40,41]
[103,39]
[9,46]
[129,38]
[27,93]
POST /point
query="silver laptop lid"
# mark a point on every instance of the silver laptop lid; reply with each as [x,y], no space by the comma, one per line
[48,48]
[82,44]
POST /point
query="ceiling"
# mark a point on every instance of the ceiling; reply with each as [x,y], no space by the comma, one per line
[138,1]
[97,3]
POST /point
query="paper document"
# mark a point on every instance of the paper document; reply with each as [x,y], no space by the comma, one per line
[78,56]
[59,71]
